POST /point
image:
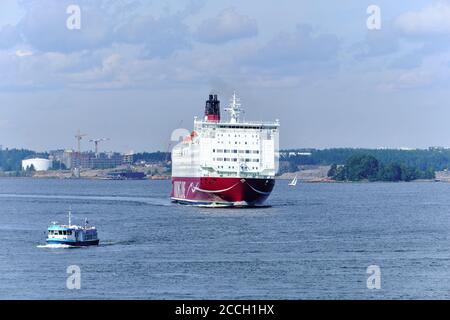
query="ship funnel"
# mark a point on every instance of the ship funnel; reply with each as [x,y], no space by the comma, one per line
[212,109]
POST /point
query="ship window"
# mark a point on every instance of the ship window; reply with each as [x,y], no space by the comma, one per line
[226,159]
[234,151]
[226,151]
[247,151]
[234,159]
[60,232]
[256,151]
[214,150]
[69,232]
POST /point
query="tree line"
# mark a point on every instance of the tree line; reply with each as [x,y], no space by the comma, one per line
[366,167]
[422,159]
[11,159]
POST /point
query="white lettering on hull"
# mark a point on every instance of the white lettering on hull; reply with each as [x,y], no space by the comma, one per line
[179,188]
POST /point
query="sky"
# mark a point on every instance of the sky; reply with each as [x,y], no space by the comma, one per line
[134,71]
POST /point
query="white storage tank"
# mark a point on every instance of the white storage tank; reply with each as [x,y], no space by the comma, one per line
[39,164]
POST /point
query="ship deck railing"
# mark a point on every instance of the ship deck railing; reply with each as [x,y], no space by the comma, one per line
[240,125]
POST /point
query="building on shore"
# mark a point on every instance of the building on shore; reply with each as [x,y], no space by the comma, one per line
[89,160]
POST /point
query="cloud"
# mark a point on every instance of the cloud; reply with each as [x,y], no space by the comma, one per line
[412,79]
[432,72]
[408,60]
[23,53]
[161,36]
[406,41]
[378,42]
[302,45]
[43,27]
[434,19]
[228,25]
[303,50]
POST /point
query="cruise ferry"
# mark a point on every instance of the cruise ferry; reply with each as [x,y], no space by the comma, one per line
[72,235]
[225,163]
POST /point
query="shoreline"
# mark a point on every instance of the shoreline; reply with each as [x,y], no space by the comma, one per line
[307,174]
[165,178]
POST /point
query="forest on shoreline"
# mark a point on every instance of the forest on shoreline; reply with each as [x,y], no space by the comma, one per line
[356,164]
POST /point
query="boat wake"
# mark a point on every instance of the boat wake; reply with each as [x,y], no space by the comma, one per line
[142,200]
[56,246]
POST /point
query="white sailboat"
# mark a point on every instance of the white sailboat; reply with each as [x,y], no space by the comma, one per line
[293,183]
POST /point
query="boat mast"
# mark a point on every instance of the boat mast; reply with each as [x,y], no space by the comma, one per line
[234,108]
[70,217]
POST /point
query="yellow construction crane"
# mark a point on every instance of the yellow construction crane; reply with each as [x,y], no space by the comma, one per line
[96,141]
[79,136]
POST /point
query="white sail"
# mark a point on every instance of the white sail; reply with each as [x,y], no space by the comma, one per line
[293,183]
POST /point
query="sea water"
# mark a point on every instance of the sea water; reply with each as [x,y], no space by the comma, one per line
[313,241]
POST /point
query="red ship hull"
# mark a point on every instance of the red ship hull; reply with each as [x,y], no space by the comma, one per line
[210,191]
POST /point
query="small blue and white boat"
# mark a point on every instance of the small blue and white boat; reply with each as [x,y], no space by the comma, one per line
[72,235]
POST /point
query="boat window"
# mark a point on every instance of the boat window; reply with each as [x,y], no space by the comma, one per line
[60,232]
